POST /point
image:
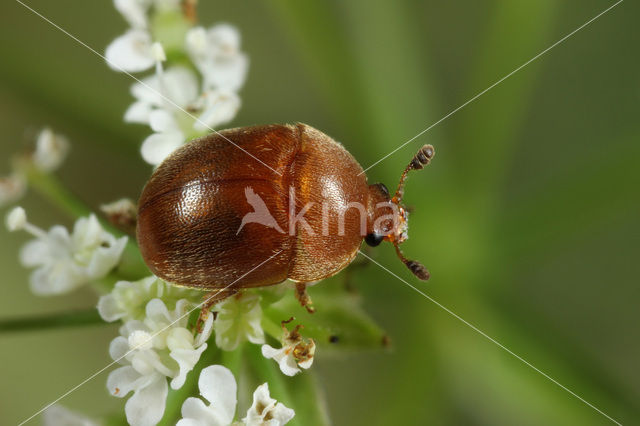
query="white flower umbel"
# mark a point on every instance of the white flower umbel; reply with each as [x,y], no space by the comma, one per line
[238,320]
[295,352]
[128,300]
[66,261]
[57,415]
[266,411]
[150,351]
[12,188]
[51,150]
[218,386]
[217,55]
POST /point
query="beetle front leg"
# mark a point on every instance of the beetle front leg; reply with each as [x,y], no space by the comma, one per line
[210,299]
[303,297]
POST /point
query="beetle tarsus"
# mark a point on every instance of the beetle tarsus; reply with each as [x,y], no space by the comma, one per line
[303,297]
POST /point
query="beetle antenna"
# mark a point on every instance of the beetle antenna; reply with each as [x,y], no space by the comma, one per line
[421,159]
[417,268]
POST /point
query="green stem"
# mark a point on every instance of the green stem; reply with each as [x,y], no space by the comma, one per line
[65,319]
[50,188]
[271,328]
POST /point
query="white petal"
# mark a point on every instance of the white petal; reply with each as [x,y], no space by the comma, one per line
[57,415]
[179,84]
[192,421]
[118,348]
[57,278]
[138,112]
[281,415]
[130,52]
[87,232]
[196,41]
[104,259]
[221,107]
[186,359]
[146,406]
[109,308]
[157,312]
[286,361]
[197,413]
[34,253]
[134,11]
[12,188]
[218,386]
[224,72]
[205,331]
[16,219]
[224,37]
[51,150]
[123,380]
[159,146]
[162,121]
[266,410]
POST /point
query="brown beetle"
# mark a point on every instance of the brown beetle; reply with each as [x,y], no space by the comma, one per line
[210,213]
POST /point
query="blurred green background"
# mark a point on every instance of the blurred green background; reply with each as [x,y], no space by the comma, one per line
[528,218]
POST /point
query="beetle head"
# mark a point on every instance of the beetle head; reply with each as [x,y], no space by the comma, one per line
[395,230]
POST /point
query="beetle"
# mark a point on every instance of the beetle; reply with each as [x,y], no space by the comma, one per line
[192,225]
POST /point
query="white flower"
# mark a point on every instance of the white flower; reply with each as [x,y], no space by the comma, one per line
[131,52]
[12,188]
[218,386]
[178,84]
[16,219]
[65,262]
[218,107]
[266,411]
[51,150]
[294,354]
[216,53]
[150,351]
[166,139]
[128,300]
[123,213]
[57,415]
[134,11]
[238,320]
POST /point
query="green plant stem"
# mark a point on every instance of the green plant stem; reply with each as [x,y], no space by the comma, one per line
[271,328]
[50,188]
[61,320]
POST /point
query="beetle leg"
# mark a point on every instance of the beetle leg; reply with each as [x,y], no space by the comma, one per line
[303,297]
[210,299]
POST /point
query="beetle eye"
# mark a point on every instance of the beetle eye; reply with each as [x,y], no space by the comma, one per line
[373,239]
[383,188]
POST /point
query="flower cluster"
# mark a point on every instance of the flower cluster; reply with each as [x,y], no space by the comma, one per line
[176,102]
[63,261]
[150,351]
[218,386]
[197,73]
